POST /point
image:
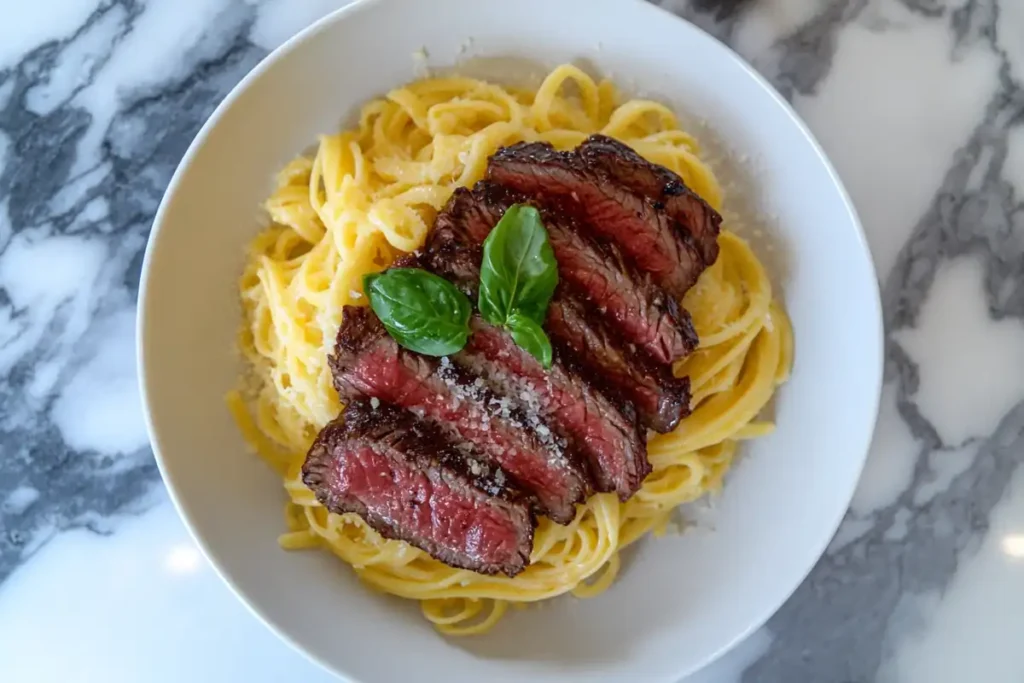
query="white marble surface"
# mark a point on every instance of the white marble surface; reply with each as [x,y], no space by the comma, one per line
[918,102]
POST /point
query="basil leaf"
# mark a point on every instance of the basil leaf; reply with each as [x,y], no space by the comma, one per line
[421,311]
[519,272]
[531,337]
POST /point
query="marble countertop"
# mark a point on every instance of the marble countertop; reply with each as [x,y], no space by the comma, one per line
[920,105]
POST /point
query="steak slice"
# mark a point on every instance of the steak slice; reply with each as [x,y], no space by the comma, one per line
[624,165]
[641,310]
[404,478]
[660,398]
[369,363]
[607,434]
[654,241]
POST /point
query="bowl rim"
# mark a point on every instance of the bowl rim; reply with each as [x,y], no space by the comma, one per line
[343,13]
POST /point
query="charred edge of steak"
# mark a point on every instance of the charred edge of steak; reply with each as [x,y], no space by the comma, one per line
[643,312]
[632,430]
[359,329]
[469,216]
[457,261]
[605,431]
[661,399]
[423,450]
[367,363]
[690,211]
[652,238]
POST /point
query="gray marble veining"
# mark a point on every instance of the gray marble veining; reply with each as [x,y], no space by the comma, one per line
[63,177]
[94,119]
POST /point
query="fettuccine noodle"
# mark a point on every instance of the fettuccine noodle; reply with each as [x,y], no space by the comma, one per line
[370,194]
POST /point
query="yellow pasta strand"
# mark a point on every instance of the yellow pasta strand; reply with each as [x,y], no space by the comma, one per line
[370,194]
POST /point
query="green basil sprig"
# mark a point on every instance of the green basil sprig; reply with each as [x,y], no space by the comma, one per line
[519,272]
[427,314]
[421,311]
[518,276]
[530,336]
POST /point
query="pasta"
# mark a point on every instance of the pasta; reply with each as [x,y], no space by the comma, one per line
[370,194]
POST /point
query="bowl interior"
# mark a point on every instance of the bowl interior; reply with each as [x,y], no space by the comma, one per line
[681,600]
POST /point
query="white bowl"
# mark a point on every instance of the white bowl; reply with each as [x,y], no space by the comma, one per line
[680,601]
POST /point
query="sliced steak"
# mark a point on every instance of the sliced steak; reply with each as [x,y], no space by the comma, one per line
[640,310]
[654,241]
[661,399]
[369,363]
[607,434]
[621,163]
[402,476]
